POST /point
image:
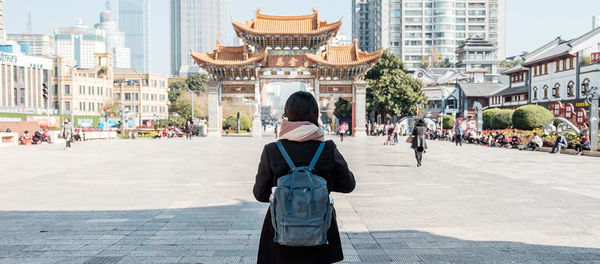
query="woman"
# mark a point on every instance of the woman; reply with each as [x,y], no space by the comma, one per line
[418,142]
[67,133]
[301,136]
[342,131]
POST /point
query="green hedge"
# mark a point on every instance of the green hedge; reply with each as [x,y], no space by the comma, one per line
[530,117]
[497,118]
[448,122]
[231,122]
[23,117]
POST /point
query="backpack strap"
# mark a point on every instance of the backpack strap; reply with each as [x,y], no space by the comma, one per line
[313,162]
[286,156]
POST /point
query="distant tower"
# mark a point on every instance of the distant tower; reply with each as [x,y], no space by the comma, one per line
[134,21]
[29,24]
[197,25]
[595,22]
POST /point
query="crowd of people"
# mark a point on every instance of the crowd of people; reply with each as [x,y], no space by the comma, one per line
[503,139]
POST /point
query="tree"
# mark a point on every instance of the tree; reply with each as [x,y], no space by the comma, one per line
[343,109]
[391,91]
[446,63]
[509,64]
[112,107]
[183,105]
[176,87]
[197,82]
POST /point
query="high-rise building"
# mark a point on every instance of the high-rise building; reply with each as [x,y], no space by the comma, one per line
[34,44]
[78,43]
[197,25]
[134,21]
[114,39]
[424,31]
[2,32]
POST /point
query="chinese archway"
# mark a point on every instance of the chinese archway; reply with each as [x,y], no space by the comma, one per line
[286,48]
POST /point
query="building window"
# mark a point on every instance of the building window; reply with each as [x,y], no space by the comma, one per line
[570,89]
[545,91]
[67,105]
[585,86]
[571,63]
[556,90]
[55,90]
[546,68]
[67,89]
[558,66]
[127,97]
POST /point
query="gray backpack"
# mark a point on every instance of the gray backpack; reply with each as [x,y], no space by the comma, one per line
[300,205]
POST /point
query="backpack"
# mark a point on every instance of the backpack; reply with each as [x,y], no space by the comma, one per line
[301,207]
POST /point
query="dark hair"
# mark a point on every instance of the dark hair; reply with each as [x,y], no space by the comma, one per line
[302,106]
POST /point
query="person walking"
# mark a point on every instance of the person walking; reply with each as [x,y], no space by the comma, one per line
[301,138]
[418,142]
[67,133]
[189,128]
[342,131]
[458,134]
[396,132]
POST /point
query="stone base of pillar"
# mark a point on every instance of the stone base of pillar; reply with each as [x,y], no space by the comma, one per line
[214,133]
[360,132]
[256,127]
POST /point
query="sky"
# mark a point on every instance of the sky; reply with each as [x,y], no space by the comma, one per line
[530,23]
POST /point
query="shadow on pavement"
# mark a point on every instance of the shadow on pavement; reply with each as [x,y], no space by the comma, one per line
[229,234]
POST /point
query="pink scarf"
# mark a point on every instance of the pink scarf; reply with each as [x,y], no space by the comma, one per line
[301,131]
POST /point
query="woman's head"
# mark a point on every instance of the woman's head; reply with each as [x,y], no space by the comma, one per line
[302,106]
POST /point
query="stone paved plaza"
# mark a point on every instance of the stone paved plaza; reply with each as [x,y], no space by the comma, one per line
[178,201]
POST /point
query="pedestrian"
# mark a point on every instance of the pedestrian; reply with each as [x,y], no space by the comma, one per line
[300,137]
[189,128]
[458,134]
[561,142]
[418,142]
[67,133]
[342,131]
[396,132]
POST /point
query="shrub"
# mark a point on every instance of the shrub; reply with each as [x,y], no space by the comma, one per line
[503,119]
[530,117]
[497,118]
[231,122]
[448,122]
[487,117]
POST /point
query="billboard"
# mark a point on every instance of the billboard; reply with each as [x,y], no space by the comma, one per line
[53,122]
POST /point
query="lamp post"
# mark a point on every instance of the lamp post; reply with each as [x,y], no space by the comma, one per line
[593,98]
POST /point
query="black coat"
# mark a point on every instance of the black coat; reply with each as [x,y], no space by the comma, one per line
[419,142]
[331,166]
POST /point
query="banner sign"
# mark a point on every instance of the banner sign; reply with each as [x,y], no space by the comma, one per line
[53,122]
[294,61]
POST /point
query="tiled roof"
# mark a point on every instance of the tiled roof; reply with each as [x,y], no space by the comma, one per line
[229,56]
[268,24]
[513,90]
[480,89]
[515,68]
[344,56]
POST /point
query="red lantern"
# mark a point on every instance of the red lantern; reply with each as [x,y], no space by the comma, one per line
[581,117]
[569,111]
